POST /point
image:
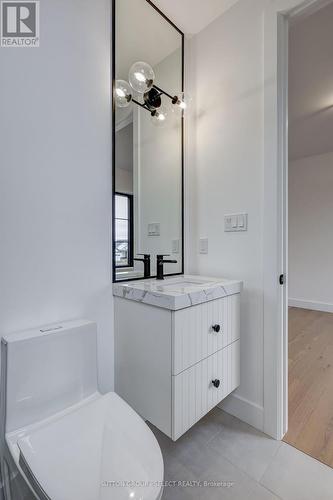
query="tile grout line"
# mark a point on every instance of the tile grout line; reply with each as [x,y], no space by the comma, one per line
[270,463]
[247,475]
[243,471]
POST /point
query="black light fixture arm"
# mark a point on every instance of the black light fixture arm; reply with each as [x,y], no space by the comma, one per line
[174,98]
[140,104]
[152,99]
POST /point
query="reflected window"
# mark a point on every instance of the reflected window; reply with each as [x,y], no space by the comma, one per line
[124,230]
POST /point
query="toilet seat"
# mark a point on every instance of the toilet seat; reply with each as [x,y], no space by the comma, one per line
[100,450]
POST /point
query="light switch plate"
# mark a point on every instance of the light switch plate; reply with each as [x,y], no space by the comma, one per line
[235,223]
[203,246]
[154,229]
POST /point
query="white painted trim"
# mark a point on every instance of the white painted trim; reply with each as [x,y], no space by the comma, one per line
[283,156]
[245,410]
[274,265]
[301,12]
[312,306]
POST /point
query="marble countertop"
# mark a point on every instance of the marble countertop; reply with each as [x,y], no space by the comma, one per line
[178,292]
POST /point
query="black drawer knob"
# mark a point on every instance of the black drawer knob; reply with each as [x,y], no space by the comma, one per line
[216,383]
[216,328]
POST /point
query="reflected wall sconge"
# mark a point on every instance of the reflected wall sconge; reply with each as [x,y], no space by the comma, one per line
[141,78]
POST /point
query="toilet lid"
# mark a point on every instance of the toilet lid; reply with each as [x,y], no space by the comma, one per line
[101,451]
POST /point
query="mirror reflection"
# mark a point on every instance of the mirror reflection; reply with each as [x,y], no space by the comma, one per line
[148,141]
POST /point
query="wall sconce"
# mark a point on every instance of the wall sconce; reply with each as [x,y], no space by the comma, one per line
[141,78]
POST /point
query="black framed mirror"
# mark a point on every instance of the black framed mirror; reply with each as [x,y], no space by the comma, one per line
[148,141]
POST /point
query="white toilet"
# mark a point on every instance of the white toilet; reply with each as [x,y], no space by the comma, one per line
[61,438]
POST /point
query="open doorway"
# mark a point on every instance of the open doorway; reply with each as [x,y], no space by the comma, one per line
[310,221]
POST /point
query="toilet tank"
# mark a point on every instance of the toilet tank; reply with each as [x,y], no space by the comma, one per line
[46,370]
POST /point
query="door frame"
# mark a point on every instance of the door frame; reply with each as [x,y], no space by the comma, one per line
[278,16]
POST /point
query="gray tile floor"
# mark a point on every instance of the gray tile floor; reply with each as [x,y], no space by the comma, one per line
[250,465]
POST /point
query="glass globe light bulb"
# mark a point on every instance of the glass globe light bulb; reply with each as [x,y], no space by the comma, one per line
[122,94]
[159,116]
[141,77]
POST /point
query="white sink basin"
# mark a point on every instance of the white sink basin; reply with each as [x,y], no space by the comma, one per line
[177,292]
[180,284]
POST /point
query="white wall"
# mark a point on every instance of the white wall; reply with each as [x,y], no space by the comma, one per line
[310,232]
[311,161]
[124,159]
[124,181]
[55,175]
[158,174]
[310,122]
[226,62]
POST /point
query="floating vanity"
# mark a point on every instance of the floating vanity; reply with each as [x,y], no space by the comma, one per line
[177,347]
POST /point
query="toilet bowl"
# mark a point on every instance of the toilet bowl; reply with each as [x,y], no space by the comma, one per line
[61,438]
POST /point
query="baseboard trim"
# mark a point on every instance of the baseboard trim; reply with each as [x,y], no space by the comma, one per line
[313,306]
[245,410]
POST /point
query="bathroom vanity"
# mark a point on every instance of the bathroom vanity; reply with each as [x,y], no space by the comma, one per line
[176,339]
[177,347]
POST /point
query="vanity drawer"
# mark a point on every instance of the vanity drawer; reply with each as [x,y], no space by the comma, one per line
[194,338]
[194,393]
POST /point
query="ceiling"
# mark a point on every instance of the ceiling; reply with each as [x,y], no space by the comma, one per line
[136,42]
[142,34]
[191,16]
[311,85]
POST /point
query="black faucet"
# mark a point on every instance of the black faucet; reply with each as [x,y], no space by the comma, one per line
[160,262]
[146,264]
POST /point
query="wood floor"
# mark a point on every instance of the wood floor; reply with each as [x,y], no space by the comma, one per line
[311,383]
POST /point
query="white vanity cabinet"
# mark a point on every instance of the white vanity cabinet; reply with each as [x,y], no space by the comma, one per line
[174,366]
